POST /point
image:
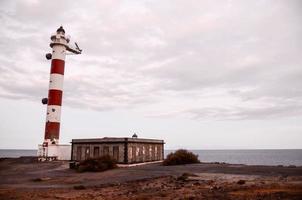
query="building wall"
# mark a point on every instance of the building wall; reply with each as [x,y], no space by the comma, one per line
[59,151]
[144,152]
[137,152]
[85,151]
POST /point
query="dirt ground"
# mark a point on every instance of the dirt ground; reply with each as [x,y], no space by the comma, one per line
[24,179]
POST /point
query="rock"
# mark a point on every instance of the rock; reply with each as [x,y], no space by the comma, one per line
[196,183]
[215,187]
[79,187]
[241,182]
[41,179]
[183,177]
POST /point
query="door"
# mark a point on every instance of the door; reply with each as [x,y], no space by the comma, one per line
[105,150]
[140,154]
[153,152]
[79,153]
[147,153]
[116,153]
[133,154]
[96,152]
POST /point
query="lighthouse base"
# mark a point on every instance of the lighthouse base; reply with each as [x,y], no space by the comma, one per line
[54,152]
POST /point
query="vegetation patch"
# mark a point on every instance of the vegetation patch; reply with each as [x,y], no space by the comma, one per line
[181,157]
[100,164]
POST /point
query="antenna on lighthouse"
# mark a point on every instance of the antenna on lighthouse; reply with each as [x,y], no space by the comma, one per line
[76,50]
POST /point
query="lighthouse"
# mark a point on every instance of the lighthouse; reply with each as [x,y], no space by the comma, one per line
[51,149]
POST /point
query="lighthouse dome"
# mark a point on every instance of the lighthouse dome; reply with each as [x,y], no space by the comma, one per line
[61,29]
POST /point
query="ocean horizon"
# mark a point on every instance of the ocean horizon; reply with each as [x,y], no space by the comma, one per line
[233,156]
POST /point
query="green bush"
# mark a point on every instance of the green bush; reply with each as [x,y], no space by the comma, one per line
[181,157]
[97,164]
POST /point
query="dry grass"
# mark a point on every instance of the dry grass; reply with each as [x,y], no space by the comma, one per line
[97,164]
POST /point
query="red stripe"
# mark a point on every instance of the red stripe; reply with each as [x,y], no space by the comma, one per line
[52,130]
[55,97]
[57,66]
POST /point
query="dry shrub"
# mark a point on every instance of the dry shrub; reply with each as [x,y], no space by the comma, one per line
[97,164]
[79,187]
[181,157]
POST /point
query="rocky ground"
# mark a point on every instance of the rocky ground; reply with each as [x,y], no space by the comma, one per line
[24,179]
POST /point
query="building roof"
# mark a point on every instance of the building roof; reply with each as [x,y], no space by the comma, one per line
[116,140]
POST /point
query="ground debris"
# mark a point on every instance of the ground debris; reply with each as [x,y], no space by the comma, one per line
[79,187]
[241,182]
[204,181]
[41,179]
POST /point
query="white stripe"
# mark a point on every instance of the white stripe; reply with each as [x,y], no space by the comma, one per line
[59,52]
[56,82]
[49,141]
[53,113]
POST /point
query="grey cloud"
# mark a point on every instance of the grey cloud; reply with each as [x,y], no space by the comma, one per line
[148,53]
[243,113]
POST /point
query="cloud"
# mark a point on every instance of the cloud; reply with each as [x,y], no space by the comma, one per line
[245,113]
[194,59]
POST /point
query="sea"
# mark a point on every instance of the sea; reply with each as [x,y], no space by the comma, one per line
[284,157]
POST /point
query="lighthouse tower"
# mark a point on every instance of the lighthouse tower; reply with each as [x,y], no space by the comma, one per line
[51,149]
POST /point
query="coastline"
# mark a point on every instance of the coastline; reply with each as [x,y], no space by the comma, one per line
[23,179]
[267,157]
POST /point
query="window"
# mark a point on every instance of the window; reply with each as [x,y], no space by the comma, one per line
[87,153]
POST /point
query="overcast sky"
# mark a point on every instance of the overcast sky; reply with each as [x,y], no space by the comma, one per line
[198,74]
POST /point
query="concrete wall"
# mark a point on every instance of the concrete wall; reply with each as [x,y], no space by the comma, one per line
[137,152]
[60,152]
[144,152]
[84,151]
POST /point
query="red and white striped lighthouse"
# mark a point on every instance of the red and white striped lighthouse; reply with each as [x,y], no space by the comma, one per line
[55,92]
[60,45]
